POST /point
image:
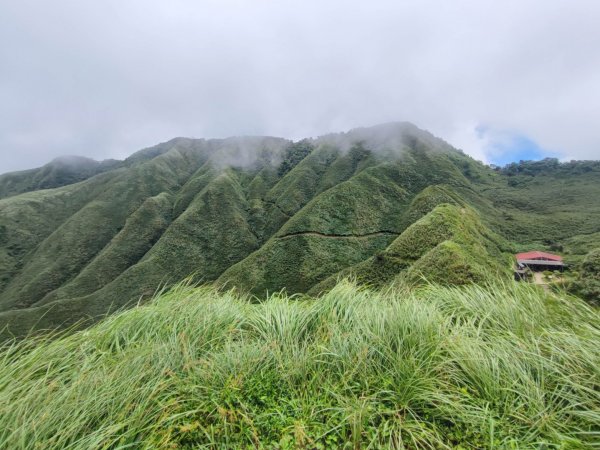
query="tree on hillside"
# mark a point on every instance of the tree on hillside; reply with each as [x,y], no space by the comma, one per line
[293,155]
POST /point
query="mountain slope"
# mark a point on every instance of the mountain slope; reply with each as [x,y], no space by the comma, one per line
[264,214]
[448,245]
[59,172]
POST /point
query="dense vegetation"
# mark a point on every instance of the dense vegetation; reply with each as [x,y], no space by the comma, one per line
[264,214]
[549,166]
[501,366]
[587,282]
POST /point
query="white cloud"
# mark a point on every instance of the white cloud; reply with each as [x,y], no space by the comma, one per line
[106,78]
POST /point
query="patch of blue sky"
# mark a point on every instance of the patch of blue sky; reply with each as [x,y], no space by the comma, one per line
[503,147]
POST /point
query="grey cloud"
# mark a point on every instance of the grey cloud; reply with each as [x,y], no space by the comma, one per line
[103,79]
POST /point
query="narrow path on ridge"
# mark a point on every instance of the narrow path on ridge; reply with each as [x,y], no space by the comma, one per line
[339,236]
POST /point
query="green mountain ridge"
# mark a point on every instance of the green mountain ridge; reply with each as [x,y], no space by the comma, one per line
[263,214]
[61,171]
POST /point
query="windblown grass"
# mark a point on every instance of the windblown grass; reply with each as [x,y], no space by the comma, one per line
[504,366]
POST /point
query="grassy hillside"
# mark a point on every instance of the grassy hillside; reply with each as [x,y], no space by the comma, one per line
[59,172]
[264,214]
[448,245]
[554,206]
[501,366]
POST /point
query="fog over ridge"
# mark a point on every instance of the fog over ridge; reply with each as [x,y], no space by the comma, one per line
[102,80]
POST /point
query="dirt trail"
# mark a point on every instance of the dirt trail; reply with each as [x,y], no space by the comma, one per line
[339,236]
[538,278]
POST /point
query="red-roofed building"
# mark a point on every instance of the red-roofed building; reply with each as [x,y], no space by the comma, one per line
[538,256]
[536,260]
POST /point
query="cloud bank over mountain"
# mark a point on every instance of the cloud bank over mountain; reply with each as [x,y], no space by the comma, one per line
[104,79]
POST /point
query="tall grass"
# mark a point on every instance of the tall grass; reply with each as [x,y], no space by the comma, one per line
[504,366]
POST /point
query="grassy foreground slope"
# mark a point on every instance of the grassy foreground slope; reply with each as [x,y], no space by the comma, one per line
[503,366]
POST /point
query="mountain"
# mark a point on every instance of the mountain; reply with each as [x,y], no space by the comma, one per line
[59,172]
[385,204]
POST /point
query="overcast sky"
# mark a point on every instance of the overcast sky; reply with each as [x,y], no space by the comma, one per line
[500,80]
